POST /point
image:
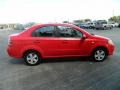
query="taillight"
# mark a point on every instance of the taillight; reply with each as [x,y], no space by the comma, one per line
[9,41]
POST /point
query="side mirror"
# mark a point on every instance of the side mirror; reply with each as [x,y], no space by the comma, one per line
[84,36]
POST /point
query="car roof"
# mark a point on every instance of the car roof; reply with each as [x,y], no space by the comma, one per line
[55,24]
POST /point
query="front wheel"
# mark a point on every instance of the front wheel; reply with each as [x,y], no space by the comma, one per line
[32,58]
[99,54]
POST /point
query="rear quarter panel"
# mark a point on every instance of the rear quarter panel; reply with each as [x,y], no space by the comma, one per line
[28,44]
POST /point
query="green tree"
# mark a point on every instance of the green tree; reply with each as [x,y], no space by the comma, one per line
[87,20]
[115,19]
[78,21]
[65,21]
[82,20]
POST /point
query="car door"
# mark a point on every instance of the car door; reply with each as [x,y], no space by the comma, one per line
[46,40]
[71,42]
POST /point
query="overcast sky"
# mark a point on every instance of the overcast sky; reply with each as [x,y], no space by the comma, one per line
[43,11]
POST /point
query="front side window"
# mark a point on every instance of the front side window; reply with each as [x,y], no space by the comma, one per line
[65,31]
[46,31]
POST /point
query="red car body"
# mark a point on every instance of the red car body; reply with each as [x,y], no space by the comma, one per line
[57,46]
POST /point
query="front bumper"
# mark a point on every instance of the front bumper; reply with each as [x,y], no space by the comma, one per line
[111,49]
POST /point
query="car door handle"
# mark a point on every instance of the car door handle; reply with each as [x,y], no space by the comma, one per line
[37,41]
[65,42]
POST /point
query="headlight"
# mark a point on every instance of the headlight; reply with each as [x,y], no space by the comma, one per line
[110,42]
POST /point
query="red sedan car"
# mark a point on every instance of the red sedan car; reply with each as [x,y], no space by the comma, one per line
[57,40]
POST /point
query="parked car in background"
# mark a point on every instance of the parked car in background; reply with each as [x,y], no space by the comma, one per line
[119,25]
[58,40]
[84,25]
[113,24]
[102,24]
[87,25]
[91,25]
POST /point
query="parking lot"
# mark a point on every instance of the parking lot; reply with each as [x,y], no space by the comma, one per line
[57,74]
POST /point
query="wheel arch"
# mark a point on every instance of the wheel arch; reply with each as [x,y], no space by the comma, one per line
[99,47]
[30,50]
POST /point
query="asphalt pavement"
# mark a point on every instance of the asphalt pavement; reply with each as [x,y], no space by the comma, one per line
[57,74]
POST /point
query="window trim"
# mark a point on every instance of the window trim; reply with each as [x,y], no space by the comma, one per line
[55,35]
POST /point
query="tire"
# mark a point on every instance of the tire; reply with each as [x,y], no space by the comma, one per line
[90,27]
[97,28]
[104,28]
[99,54]
[32,58]
[111,27]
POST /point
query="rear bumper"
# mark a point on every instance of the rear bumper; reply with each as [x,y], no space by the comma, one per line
[13,52]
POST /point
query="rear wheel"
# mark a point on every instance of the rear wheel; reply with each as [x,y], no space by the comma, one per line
[99,54]
[32,58]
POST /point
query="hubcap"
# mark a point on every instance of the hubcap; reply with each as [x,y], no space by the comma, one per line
[99,55]
[32,58]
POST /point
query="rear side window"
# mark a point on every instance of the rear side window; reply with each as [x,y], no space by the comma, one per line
[46,31]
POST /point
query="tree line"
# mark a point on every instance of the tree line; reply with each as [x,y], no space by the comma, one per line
[115,19]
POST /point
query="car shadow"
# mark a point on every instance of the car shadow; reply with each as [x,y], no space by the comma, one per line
[73,59]
[16,61]
[55,60]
